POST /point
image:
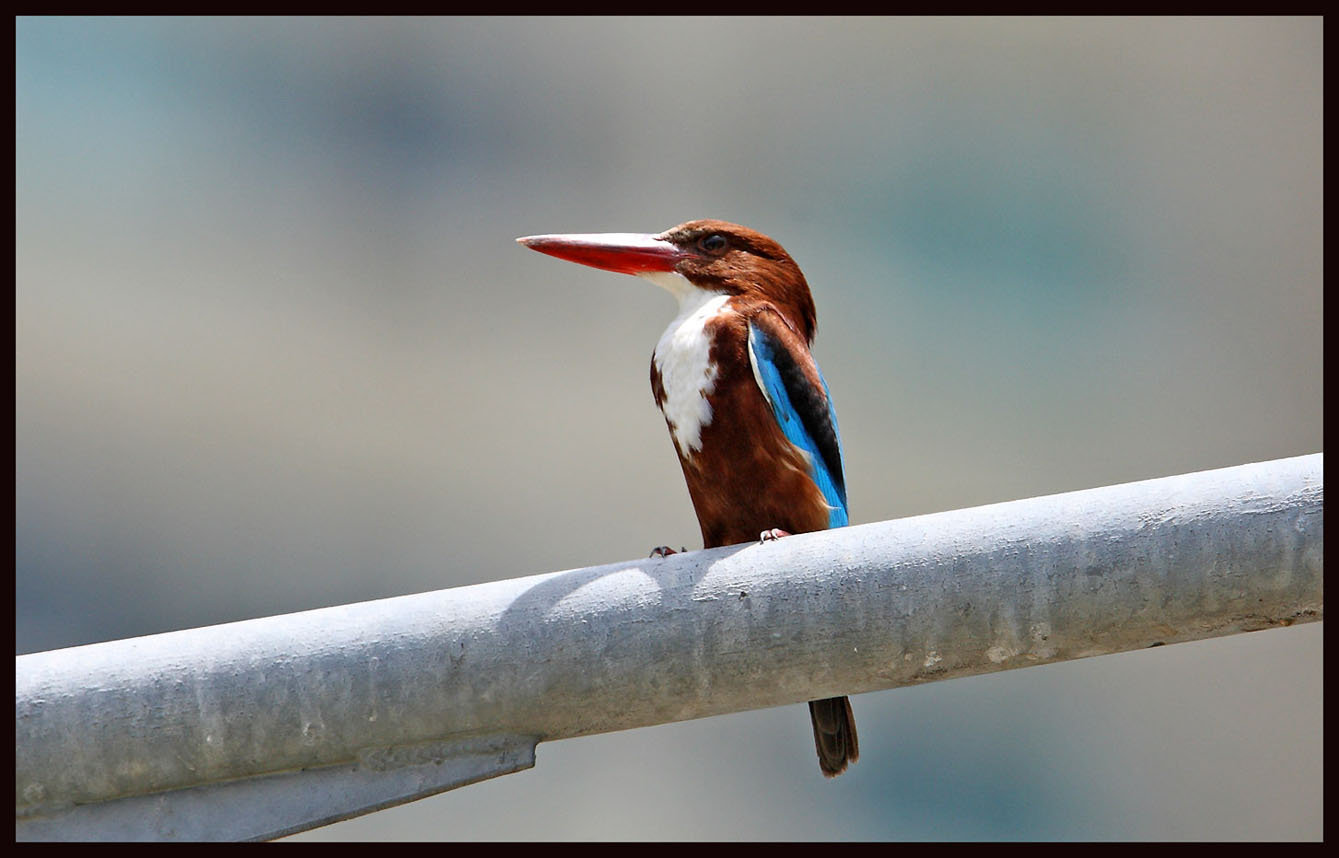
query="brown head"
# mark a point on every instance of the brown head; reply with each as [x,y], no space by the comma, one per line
[713,255]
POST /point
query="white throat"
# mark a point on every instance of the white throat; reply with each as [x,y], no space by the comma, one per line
[683,359]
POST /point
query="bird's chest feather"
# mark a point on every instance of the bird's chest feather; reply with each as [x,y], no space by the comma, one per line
[684,371]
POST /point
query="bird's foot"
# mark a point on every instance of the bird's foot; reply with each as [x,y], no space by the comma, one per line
[665,551]
[772,534]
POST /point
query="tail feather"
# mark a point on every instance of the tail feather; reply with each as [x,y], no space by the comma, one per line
[834,734]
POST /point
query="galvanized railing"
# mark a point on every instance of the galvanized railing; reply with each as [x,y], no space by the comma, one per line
[256,729]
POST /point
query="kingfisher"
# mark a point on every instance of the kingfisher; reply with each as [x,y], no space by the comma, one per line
[748,411]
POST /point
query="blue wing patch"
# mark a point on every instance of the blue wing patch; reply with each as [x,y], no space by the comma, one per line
[805,415]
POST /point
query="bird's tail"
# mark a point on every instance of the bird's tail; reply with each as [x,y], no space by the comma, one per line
[834,734]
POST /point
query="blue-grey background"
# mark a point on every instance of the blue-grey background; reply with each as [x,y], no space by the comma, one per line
[276,350]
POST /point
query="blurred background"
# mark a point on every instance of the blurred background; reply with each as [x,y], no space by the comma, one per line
[277,350]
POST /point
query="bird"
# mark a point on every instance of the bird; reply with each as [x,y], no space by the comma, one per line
[748,410]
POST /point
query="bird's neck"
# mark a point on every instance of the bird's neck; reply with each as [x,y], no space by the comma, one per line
[683,360]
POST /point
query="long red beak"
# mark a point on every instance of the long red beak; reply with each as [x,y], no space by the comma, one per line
[624,252]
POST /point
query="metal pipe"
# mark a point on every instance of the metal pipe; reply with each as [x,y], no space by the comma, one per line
[316,716]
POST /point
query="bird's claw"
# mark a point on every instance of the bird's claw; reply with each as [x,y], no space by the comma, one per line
[772,534]
[665,551]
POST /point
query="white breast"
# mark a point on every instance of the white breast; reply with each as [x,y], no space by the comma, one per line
[683,359]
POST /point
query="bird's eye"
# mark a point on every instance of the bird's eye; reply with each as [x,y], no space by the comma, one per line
[714,244]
